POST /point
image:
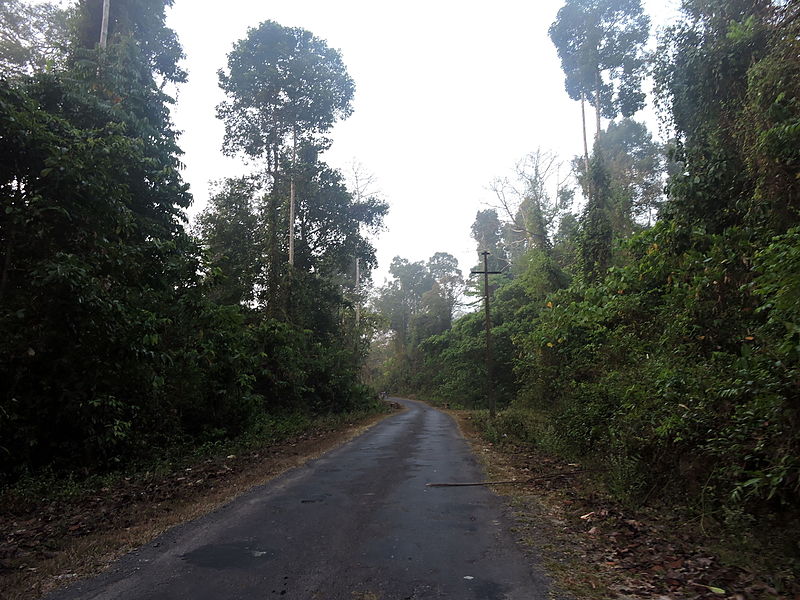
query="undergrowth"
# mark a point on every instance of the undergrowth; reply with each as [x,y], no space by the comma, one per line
[266,431]
[740,538]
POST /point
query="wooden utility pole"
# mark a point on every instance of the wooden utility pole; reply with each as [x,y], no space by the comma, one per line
[104,24]
[490,392]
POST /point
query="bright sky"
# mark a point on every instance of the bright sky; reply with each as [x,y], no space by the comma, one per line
[449,95]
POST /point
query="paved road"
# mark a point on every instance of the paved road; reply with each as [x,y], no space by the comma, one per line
[356,524]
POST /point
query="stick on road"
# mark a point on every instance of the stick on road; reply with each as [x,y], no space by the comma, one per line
[358,523]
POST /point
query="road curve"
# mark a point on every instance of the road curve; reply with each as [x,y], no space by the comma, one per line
[355,524]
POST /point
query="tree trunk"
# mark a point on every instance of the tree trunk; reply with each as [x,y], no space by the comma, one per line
[104,24]
[292,197]
[585,149]
[585,143]
[273,249]
[597,105]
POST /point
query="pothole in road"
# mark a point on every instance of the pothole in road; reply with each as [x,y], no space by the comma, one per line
[228,556]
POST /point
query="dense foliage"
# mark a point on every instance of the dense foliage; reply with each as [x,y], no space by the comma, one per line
[123,336]
[665,351]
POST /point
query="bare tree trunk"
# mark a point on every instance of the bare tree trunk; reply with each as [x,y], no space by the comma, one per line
[272,238]
[585,144]
[597,105]
[104,24]
[292,197]
[586,149]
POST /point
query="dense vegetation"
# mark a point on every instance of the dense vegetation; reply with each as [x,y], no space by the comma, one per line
[655,334]
[122,335]
[654,331]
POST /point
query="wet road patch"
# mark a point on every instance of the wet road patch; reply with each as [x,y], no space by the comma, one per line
[228,556]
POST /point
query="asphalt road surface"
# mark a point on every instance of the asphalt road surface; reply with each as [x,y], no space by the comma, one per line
[358,523]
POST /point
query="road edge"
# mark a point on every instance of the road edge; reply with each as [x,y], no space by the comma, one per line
[90,555]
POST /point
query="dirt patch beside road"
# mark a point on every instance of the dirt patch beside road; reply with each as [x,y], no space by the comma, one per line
[50,543]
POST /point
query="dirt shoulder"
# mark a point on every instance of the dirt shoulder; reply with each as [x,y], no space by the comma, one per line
[596,549]
[50,543]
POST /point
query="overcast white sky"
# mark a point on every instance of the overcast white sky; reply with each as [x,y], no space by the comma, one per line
[449,95]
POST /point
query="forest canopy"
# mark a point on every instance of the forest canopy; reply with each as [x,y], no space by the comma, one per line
[126,335]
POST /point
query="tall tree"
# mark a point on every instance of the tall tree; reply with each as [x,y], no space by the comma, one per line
[487,231]
[601,47]
[285,88]
[138,22]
